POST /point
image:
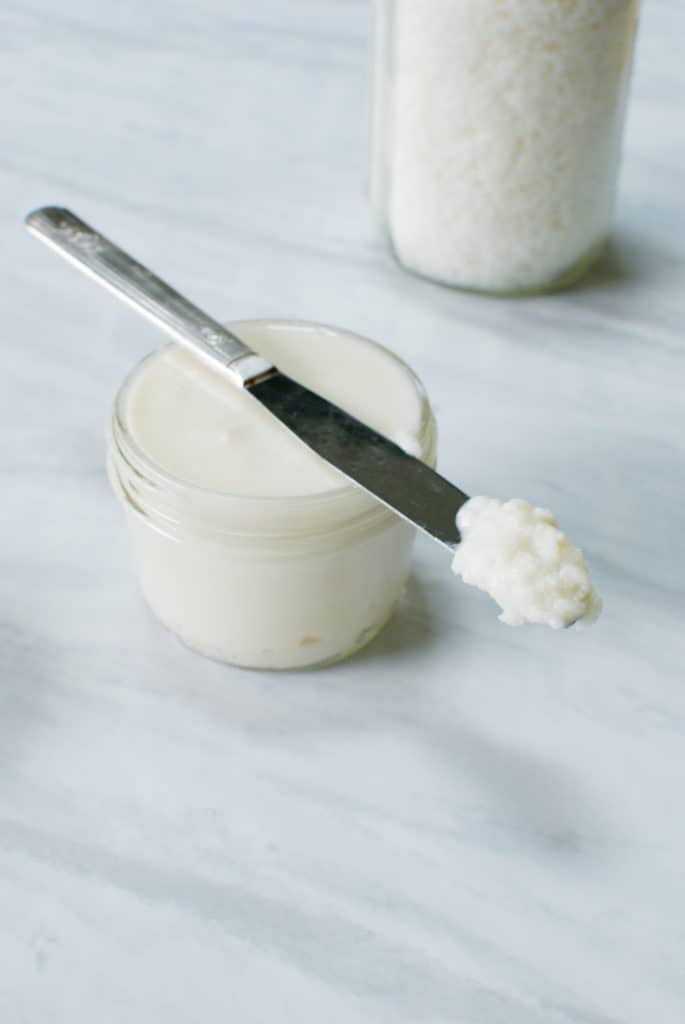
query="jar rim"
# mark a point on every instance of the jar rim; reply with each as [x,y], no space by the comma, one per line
[143,465]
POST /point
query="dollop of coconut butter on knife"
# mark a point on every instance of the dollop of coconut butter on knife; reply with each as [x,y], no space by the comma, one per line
[511,550]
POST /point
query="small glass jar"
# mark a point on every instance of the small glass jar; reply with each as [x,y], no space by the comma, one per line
[276,583]
[496,136]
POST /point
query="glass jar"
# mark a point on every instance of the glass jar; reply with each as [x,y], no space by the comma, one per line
[496,136]
[278,582]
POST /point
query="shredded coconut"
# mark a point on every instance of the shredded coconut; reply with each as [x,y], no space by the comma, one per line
[504,128]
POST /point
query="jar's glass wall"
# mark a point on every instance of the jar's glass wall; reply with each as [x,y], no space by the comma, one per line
[496,135]
[239,593]
[270,607]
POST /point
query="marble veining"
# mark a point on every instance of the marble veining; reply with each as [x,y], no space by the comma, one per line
[465,823]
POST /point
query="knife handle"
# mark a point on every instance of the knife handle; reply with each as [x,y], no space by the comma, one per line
[113,268]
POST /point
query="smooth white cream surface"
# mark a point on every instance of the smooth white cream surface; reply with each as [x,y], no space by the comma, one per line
[517,554]
[196,425]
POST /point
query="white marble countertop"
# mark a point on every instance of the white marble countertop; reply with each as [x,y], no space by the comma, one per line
[466,823]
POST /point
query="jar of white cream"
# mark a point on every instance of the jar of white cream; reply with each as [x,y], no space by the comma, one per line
[248,546]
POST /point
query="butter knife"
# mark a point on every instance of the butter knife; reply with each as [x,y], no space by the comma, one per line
[405,484]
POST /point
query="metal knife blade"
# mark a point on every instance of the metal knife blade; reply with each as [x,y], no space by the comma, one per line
[405,484]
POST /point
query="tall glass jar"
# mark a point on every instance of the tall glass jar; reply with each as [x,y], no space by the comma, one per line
[496,135]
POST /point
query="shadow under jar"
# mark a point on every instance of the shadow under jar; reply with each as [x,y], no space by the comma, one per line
[248,547]
[496,136]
